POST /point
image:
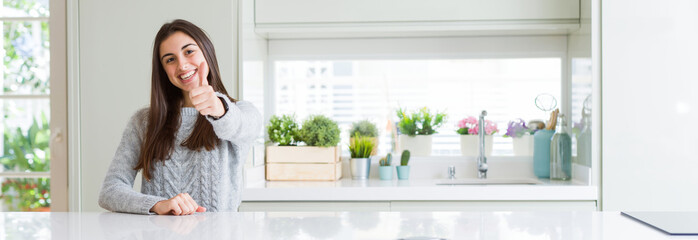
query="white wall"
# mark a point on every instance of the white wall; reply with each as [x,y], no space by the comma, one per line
[650,105]
[115,44]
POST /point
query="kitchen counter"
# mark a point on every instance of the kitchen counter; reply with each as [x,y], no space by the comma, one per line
[415,190]
[329,225]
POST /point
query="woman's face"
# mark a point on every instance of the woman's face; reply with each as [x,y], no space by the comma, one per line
[183,61]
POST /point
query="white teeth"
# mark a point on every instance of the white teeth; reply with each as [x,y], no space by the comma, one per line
[188,75]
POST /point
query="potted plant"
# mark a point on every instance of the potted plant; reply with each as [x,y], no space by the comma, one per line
[360,148]
[283,130]
[320,131]
[417,128]
[522,137]
[318,160]
[27,153]
[386,170]
[403,171]
[469,139]
[367,129]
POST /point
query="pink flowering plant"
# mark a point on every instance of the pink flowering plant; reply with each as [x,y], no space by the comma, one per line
[517,128]
[469,126]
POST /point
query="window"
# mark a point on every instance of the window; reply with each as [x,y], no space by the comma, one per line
[351,80]
[25,106]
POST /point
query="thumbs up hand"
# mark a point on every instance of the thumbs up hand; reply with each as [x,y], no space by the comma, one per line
[204,98]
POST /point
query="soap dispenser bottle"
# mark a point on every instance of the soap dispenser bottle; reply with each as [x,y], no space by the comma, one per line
[561,151]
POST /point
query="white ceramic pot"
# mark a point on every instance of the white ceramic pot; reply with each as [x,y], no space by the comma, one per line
[469,145]
[523,146]
[419,145]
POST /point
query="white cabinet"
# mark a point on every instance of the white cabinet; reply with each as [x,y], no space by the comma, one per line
[408,206]
[309,18]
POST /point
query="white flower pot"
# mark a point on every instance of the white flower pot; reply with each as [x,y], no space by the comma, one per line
[469,145]
[419,145]
[523,146]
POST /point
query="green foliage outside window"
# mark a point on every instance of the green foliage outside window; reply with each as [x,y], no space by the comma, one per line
[27,152]
[26,60]
[26,71]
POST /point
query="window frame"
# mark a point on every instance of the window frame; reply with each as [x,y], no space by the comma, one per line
[471,47]
[57,97]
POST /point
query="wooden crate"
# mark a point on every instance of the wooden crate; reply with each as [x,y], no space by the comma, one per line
[292,163]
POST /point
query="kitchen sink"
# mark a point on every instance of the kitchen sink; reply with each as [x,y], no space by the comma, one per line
[490,181]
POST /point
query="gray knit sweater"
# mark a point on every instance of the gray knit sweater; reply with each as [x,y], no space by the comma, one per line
[212,178]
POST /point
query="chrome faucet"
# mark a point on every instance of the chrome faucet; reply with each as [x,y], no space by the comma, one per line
[481,159]
[451,172]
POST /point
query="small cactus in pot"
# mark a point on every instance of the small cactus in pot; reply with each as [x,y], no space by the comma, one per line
[403,171]
[385,169]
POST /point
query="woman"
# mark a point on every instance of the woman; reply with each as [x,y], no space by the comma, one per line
[191,142]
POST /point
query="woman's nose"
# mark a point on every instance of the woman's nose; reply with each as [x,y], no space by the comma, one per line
[183,65]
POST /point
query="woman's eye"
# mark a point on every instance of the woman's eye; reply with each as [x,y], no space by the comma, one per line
[189,51]
[169,60]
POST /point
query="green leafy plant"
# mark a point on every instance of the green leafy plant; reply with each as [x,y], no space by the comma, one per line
[283,130]
[405,158]
[320,131]
[386,161]
[26,44]
[421,122]
[364,128]
[360,146]
[27,152]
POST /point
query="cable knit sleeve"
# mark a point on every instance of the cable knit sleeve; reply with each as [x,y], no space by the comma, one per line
[117,192]
[241,124]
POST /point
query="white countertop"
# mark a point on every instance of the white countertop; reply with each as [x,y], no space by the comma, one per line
[329,225]
[414,190]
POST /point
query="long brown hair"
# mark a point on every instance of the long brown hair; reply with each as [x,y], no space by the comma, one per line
[166,102]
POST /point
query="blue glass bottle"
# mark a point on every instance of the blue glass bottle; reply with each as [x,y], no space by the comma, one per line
[541,153]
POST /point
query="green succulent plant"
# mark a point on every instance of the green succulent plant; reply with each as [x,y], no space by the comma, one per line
[421,122]
[283,130]
[364,128]
[405,158]
[386,161]
[321,131]
[360,146]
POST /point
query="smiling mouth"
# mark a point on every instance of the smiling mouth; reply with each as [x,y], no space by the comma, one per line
[187,75]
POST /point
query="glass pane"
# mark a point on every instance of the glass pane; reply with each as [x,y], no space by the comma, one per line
[26,194]
[26,58]
[24,8]
[26,135]
[253,91]
[581,110]
[348,91]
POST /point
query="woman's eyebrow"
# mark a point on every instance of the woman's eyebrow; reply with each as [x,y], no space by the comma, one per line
[183,47]
[166,54]
[187,45]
